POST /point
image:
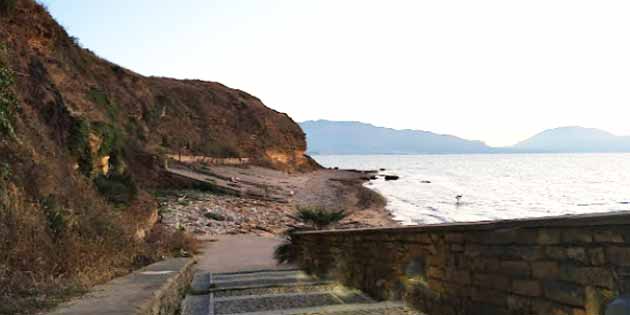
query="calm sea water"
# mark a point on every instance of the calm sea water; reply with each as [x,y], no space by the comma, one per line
[496,186]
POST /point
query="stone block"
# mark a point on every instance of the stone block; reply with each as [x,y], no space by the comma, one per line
[489,296]
[455,238]
[493,281]
[530,288]
[556,252]
[528,253]
[587,275]
[607,236]
[518,304]
[576,236]
[473,250]
[577,254]
[619,256]
[457,248]
[596,256]
[518,269]
[511,236]
[458,276]
[548,270]
[564,292]
[484,264]
[435,272]
[549,237]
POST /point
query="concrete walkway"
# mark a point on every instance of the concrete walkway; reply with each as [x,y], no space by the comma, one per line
[237,275]
[232,253]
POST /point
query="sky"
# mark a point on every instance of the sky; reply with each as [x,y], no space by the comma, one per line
[497,71]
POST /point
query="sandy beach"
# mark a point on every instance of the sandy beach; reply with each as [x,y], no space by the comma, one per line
[262,201]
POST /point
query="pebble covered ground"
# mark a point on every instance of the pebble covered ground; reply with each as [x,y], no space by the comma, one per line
[206,214]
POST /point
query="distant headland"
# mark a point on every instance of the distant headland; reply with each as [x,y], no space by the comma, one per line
[327,137]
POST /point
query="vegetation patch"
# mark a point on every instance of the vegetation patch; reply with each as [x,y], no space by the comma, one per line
[219,149]
[319,218]
[315,218]
[116,188]
[79,141]
[100,98]
[8,102]
[7,6]
[112,144]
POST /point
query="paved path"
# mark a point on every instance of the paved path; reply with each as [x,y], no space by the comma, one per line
[233,253]
[237,276]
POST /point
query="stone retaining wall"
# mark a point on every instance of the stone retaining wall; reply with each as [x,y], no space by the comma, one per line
[560,265]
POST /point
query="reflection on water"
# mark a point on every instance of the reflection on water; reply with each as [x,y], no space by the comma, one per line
[496,186]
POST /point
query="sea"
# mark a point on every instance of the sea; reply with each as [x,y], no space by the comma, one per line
[495,186]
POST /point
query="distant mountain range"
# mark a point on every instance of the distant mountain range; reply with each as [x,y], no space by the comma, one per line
[575,139]
[349,137]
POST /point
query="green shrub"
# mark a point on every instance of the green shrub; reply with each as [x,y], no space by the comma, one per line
[319,218]
[79,141]
[8,102]
[54,217]
[116,188]
[285,252]
[100,98]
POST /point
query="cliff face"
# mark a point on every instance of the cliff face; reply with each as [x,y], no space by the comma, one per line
[62,83]
[80,136]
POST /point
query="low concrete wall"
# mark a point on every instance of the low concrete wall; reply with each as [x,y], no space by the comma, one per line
[560,265]
[154,290]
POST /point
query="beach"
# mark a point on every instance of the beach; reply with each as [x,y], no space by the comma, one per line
[262,201]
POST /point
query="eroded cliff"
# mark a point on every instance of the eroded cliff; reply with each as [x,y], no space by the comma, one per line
[81,138]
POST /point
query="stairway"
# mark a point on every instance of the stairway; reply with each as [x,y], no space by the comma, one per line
[287,292]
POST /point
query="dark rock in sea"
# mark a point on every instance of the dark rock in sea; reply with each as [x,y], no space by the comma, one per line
[426,182]
[392,177]
[382,169]
[373,177]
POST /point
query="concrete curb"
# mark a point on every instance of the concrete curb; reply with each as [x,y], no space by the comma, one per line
[154,290]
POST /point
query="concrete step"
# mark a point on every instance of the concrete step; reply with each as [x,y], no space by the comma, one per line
[205,282]
[383,308]
[267,292]
[278,289]
[285,272]
[196,305]
[273,302]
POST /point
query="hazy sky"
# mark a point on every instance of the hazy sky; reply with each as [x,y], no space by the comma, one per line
[497,71]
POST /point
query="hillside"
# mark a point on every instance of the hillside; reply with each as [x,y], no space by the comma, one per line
[81,139]
[346,137]
[575,139]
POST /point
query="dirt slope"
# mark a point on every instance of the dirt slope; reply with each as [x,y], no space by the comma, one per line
[80,140]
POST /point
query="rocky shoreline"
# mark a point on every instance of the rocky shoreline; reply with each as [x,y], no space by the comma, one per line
[206,214]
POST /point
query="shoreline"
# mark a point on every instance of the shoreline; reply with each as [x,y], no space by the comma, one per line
[269,199]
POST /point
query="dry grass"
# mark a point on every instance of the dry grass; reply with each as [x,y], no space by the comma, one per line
[44,248]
